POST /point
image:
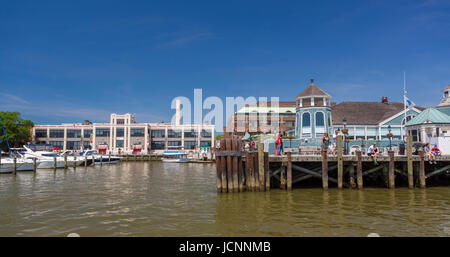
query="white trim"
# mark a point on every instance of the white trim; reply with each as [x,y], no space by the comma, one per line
[398,114]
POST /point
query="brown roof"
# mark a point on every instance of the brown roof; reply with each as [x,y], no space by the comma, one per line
[313,90]
[370,113]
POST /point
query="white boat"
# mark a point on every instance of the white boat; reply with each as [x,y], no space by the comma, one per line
[7,165]
[98,159]
[71,160]
[174,156]
[46,159]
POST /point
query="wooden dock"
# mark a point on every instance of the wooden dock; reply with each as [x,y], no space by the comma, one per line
[239,171]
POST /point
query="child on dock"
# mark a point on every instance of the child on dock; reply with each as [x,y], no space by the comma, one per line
[373,151]
[430,154]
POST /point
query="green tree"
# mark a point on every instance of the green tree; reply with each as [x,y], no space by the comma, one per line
[218,137]
[17,130]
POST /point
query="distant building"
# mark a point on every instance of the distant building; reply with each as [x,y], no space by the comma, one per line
[123,135]
[431,123]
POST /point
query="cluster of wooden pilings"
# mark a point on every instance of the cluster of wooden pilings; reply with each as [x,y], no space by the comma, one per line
[235,175]
[239,171]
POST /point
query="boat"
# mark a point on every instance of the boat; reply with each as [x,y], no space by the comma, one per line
[45,159]
[98,159]
[71,159]
[22,164]
[174,156]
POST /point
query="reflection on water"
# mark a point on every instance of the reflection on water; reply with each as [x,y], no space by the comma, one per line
[171,199]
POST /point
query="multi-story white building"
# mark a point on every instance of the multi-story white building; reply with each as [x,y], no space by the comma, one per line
[122,135]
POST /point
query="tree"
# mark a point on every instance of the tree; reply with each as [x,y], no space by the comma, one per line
[218,137]
[17,130]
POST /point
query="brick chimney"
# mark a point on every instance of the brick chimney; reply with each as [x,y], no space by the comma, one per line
[384,99]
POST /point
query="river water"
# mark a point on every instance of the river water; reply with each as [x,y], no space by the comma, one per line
[180,199]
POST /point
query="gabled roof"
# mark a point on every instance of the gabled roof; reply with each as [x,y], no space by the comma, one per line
[367,113]
[313,90]
[430,115]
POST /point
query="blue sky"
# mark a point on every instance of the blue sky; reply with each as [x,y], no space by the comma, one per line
[67,61]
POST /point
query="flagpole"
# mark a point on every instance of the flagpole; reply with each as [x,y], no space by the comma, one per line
[404,102]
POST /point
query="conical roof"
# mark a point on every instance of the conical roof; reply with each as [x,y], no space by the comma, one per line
[429,115]
[313,90]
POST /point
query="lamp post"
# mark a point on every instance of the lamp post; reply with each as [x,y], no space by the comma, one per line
[345,131]
[389,135]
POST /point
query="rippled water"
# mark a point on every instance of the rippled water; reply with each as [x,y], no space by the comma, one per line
[170,199]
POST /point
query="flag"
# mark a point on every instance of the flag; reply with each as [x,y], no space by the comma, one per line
[409,103]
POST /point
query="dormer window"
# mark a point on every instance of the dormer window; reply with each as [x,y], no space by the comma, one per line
[446,94]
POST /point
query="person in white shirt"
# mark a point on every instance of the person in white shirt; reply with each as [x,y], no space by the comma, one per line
[373,151]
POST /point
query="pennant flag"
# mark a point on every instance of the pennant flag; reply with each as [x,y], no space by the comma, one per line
[409,103]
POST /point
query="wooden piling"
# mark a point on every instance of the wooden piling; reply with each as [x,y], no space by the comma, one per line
[65,161]
[289,171]
[75,162]
[359,178]
[422,170]
[324,170]
[282,178]
[410,164]
[85,161]
[109,158]
[256,171]
[267,171]
[250,179]
[15,165]
[340,162]
[229,166]
[391,170]
[101,160]
[93,160]
[223,166]
[219,174]
[261,166]
[241,175]
[351,172]
[34,165]
[235,160]
[54,163]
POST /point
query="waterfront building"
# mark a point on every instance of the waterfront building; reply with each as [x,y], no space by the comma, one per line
[429,124]
[444,105]
[122,135]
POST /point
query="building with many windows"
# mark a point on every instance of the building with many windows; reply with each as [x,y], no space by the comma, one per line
[123,135]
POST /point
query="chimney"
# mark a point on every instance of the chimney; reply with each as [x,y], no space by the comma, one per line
[178,112]
[384,99]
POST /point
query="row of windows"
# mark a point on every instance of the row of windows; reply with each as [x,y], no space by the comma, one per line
[159,145]
[177,133]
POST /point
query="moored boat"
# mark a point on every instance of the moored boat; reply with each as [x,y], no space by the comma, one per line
[174,156]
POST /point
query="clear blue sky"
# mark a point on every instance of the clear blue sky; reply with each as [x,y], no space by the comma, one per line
[66,61]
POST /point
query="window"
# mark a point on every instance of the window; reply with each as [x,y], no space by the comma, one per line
[205,133]
[360,133]
[208,143]
[189,145]
[119,132]
[158,133]
[137,132]
[156,145]
[190,133]
[372,133]
[87,133]
[408,118]
[173,133]
[119,143]
[41,133]
[415,135]
[73,145]
[102,132]
[74,133]
[446,94]
[173,143]
[57,133]
[86,145]
[120,121]
[320,124]
[58,144]
[306,124]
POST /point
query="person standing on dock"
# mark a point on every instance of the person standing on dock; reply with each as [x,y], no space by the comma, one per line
[373,151]
[281,146]
[325,142]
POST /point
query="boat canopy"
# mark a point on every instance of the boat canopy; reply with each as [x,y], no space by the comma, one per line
[172,153]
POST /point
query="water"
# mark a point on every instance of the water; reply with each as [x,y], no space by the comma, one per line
[170,199]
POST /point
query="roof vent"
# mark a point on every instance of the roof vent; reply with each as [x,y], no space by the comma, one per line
[384,99]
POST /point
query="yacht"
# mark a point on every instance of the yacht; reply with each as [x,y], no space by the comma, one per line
[46,159]
[22,164]
[71,161]
[99,158]
[174,156]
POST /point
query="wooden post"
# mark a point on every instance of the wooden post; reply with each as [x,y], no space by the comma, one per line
[219,174]
[410,164]
[261,165]
[352,176]
[256,171]
[109,158]
[289,171]
[65,161]
[267,171]
[85,161]
[229,166]
[101,160]
[234,145]
[223,166]
[359,178]
[250,178]
[93,160]
[54,163]
[282,178]
[34,165]
[75,162]
[340,162]
[15,164]
[422,170]
[324,170]
[391,170]
[241,170]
